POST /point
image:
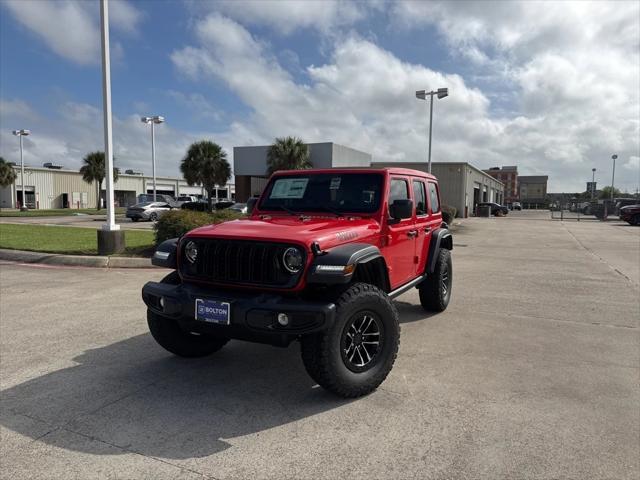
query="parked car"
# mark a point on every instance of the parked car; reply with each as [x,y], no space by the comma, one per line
[319,261]
[151,211]
[239,207]
[160,197]
[198,206]
[222,204]
[495,207]
[517,206]
[631,214]
[182,199]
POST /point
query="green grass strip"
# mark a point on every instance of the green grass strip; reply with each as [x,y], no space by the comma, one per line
[69,240]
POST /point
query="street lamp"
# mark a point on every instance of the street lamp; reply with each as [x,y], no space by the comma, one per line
[593,182]
[422,95]
[20,134]
[613,175]
[153,121]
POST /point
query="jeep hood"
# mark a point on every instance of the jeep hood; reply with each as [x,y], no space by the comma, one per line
[327,231]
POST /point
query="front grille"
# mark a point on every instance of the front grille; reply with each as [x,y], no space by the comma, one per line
[239,262]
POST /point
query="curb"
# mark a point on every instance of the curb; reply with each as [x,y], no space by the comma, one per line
[74,260]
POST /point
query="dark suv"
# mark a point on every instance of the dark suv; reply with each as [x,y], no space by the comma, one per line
[319,260]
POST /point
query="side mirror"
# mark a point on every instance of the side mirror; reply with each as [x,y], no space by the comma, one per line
[251,203]
[401,209]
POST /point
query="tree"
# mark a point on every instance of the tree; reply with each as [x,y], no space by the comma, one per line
[288,153]
[206,164]
[94,170]
[606,192]
[7,173]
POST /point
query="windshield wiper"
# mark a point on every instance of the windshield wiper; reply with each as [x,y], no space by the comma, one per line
[288,210]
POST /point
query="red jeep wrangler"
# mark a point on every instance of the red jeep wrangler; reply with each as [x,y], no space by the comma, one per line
[319,260]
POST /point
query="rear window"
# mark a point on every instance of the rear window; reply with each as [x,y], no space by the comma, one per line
[433,198]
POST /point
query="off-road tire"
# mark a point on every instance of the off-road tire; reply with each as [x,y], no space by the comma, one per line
[172,338]
[323,354]
[435,290]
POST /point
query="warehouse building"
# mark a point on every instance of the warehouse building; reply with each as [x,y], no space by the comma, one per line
[532,189]
[250,164]
[461,184]
[59,188]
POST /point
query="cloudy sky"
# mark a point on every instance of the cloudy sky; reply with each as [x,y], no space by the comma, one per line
[553,87]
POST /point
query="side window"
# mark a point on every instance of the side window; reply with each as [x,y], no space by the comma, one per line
[433,198]
[420,197]
[399,190]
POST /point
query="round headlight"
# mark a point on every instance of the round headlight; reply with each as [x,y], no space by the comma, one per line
[191,252]
[292,260]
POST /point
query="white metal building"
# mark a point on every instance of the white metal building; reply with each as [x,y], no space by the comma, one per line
[56,188]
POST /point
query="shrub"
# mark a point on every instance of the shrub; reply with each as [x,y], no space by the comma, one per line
[178,222]
[449,213]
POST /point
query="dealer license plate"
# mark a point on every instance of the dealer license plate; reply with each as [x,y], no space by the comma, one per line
[212,311]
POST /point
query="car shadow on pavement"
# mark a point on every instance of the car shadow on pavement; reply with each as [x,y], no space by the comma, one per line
[135,396]
[410,312]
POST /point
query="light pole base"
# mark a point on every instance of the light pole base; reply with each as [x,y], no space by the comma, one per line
[110,242]
[24,209]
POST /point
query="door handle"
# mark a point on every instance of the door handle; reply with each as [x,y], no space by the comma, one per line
[412,233]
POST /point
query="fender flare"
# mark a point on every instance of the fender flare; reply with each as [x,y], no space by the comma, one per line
[351,254]
[166,254]
[440,238]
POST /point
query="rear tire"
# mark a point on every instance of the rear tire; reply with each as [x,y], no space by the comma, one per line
[354,356]
[172,338]
[435,290]
[153,217]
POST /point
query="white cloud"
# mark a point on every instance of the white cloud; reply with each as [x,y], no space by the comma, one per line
[287,16]
[572,110]
[70,28]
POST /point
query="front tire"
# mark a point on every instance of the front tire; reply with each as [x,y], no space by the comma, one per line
[435,290]
[354,356]
[172,338]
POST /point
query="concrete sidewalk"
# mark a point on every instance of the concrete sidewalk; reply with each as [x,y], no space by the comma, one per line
[22,256]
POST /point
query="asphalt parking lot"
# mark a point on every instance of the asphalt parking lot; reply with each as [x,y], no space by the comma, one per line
[532,372]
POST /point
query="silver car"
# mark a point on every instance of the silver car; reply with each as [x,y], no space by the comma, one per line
[148,211]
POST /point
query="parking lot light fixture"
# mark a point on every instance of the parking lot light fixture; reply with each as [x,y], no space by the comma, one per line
[153,121]
[422,95]
[22,133]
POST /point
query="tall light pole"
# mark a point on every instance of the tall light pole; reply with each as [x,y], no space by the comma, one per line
[613,175]
[593,182]
[422,95]
[110,237]
[20,134]
[153,121]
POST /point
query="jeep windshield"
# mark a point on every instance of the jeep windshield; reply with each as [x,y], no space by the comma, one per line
[336,193]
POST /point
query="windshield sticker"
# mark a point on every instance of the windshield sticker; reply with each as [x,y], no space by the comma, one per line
[335,183]
[289,188]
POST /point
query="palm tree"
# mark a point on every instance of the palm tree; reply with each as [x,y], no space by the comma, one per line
[288,153]
[206,164]
[7,173]
[94,170]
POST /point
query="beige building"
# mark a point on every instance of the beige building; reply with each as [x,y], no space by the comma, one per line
[461,184]
[532,188]
[57,188]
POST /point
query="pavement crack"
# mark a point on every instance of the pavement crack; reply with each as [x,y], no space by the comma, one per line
[596,256]
[134,452]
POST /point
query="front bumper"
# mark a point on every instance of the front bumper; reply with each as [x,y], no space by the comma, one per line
[253,316]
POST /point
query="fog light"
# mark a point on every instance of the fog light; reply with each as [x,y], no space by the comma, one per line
[283,319]
[161,302]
